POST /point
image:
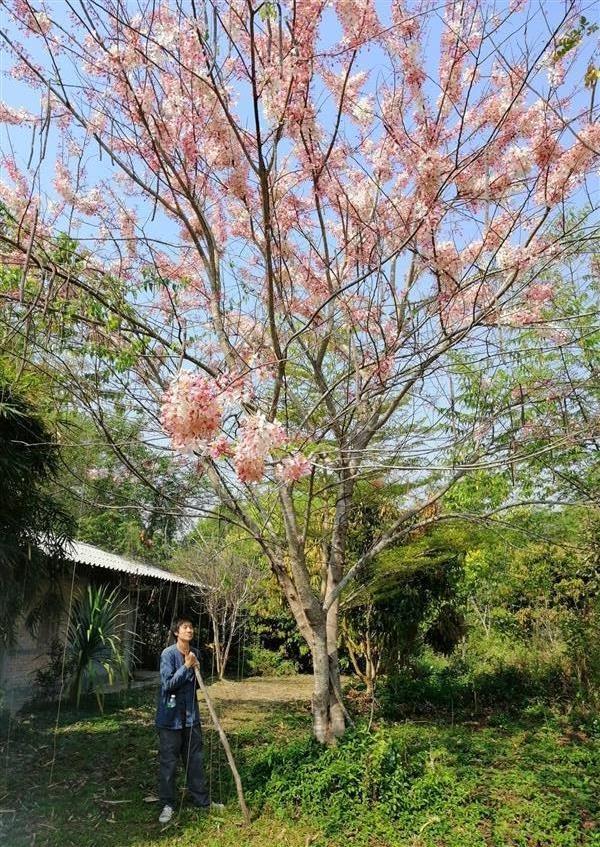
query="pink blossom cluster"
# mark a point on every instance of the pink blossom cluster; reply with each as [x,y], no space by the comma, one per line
[256,439]
[127,223]
[191,411]
[535,297]
[540,292]
[33,21]
[359,20]
[568,169]
[220,447]
[19,193]
[461,307]
[16,116]
[461,39]
[293,468]
[87,202]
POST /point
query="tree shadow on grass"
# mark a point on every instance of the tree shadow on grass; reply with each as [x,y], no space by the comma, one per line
[86,780]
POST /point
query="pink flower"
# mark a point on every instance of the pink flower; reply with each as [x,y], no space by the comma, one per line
[191,411]
[358,19]
[16,116]
[556,73]
[220,447]
[540,292]
[293,468]
[257,438]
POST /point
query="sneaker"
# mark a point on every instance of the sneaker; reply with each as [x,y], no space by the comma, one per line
[166,814]
[217,807]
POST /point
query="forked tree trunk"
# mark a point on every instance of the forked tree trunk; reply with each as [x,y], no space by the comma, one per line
[319,630]
[320,634]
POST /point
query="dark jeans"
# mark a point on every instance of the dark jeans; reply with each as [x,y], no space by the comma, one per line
[187,743]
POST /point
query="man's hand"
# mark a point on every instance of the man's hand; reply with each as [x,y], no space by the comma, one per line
[190,660]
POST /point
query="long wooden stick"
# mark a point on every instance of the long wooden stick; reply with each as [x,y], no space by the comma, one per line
[226,747]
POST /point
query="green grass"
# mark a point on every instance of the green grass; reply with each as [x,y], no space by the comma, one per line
[530,781]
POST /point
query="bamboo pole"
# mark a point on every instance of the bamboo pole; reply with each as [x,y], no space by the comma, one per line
[225,743]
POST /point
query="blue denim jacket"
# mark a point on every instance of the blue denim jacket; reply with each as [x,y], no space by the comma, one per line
[176,679]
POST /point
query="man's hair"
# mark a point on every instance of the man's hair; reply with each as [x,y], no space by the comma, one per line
[177,623]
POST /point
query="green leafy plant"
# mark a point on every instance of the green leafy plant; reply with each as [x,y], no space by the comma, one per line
[408,601]
[49,679]
[94,642]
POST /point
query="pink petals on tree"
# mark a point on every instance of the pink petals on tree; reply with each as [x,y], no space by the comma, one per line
[257,438]
[191,411]
[373,179]
[293,468]
[192,415]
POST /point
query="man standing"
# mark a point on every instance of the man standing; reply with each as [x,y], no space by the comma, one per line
[178,721]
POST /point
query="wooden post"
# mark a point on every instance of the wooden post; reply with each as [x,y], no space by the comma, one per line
[226,747]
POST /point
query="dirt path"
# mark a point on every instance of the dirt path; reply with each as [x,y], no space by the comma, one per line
[282,689]
[273,689]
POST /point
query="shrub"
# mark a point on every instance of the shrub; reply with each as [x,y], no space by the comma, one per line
[48,679]
[380,776]
[459,686]
[262,662]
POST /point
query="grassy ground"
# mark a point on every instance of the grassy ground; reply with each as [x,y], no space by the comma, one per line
[527,782]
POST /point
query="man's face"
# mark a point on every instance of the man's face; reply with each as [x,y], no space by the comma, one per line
[185,631]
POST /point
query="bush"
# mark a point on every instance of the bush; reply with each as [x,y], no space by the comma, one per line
[429,785]
[262,662]
[458,686]
[368,782]
[279,634]
[48,679]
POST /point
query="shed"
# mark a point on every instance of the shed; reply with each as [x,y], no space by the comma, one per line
[153,596]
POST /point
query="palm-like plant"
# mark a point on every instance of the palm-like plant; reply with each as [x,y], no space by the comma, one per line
[94,642]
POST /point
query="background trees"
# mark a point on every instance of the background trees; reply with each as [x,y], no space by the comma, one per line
[315,249]
[128,503]
[410,600]
[34,529]
[229,581]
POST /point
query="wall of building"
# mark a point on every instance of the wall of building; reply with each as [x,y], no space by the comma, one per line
[20,663]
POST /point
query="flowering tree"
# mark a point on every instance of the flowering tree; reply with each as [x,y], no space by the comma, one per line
[309,239]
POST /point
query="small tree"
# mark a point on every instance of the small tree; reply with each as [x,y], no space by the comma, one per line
[411,600]
[229,582]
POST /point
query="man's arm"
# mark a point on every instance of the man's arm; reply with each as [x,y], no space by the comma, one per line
[173,678]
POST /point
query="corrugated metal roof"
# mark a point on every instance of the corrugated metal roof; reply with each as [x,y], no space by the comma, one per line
[79,551]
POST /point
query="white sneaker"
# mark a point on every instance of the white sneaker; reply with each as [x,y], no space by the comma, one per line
[166,814]
[217,806]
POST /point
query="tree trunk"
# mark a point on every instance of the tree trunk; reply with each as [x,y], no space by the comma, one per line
[320,633]
[321,700]
[337,712]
